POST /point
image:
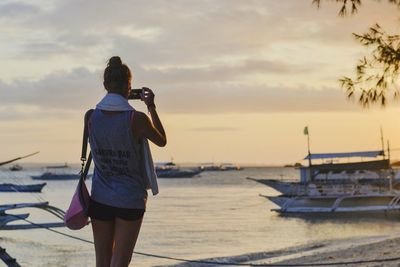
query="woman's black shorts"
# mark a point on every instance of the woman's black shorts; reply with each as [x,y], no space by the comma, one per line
[99,211]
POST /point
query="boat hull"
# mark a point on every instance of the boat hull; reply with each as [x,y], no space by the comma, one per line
[55,177]
[37,188]
[338,204]
[327,188]
[7,218]
[177,173]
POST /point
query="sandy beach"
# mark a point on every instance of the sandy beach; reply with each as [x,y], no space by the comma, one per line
[335,251]
[361,250]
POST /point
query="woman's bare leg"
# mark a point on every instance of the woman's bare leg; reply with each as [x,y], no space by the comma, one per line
[126,234]
[103,234]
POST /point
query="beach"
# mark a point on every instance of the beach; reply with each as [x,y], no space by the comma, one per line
[379,250]
[216,215]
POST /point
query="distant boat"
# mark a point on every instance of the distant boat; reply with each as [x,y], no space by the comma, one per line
[296,165]
[56,176]
[230,167]
[7,187]
[177,173]
[16,167]
[219,167]
[210,166]
[58,166]
[171,170]
[57,172]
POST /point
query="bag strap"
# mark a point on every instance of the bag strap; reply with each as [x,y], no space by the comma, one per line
[85,167]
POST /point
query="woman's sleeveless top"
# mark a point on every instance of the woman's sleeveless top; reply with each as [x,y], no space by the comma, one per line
[117,180]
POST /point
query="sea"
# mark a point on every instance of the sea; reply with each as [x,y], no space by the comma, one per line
[214,216]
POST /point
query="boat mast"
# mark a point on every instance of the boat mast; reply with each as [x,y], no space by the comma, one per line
[383,144]
[310,173]
[308,146]
[392,174]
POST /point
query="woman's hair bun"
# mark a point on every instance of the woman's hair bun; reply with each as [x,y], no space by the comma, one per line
[115,61]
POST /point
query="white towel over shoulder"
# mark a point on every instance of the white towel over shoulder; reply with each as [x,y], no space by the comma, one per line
[116,102]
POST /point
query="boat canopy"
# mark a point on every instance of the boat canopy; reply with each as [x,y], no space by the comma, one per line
[366,154]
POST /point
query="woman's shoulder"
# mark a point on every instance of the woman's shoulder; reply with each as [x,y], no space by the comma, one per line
[88,114]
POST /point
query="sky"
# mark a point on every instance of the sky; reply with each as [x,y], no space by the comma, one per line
[235,80]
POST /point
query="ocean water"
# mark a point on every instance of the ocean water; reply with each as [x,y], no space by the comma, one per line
[217,214]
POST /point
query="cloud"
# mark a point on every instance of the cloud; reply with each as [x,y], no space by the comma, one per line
[160,32]
[252,99]
[60,90]
[201,56]
[80,89]
[17,10]
[220,72]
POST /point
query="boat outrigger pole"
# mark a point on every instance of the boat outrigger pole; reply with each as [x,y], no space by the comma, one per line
[12,160]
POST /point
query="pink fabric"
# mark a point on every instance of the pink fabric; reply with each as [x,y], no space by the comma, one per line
[76,216]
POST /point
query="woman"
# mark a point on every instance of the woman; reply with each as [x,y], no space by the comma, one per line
[118,187]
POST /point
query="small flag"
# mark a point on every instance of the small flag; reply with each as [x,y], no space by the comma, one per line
[306,130]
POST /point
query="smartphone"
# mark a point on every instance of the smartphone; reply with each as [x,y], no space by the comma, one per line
[135,94]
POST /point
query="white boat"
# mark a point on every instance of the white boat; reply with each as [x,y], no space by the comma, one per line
[350,178]
[337,204]
[339,187]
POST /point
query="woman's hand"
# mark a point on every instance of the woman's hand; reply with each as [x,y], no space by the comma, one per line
[151,129]
[147,96]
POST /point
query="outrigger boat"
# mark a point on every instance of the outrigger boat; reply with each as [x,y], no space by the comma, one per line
[10,187]
[330,187]
[338,204]
[34,188]
[364,177]
[6,218]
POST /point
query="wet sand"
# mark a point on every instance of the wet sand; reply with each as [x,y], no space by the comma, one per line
[381,248]
[349,250]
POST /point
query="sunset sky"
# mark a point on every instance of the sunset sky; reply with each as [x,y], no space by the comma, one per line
[235,80]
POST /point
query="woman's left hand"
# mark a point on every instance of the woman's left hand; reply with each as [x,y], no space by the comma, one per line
[147,96]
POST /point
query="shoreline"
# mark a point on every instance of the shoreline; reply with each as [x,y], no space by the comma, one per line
[384,247]
[330,251]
